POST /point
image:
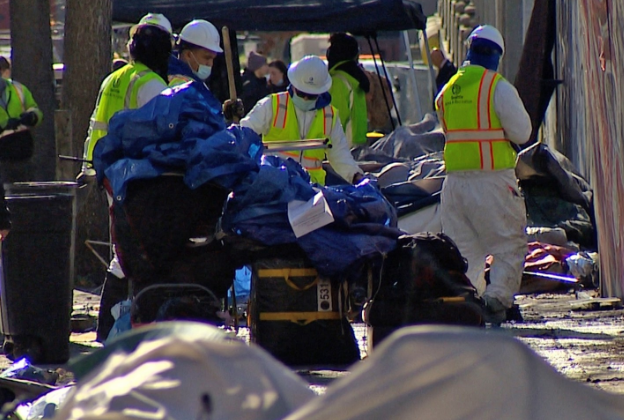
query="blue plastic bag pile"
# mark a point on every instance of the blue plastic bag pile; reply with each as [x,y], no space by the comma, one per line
[181,131]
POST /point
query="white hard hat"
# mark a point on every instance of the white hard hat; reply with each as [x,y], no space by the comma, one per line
[487,32]
[203,34]
[154,19]
[310,75]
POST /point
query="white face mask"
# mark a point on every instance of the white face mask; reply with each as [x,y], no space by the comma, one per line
[303,104]
[203,71]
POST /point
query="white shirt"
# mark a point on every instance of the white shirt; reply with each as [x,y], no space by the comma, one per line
[511,112]
[261,117]
[149,91]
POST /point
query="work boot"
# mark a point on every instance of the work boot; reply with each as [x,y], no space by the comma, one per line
[495,312]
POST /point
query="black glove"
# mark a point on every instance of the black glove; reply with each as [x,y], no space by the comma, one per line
[233,109]
[29,119]
[12,124]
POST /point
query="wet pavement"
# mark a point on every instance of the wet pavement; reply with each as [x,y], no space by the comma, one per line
[583,339]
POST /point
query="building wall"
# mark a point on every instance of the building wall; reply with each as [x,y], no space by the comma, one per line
[586,117]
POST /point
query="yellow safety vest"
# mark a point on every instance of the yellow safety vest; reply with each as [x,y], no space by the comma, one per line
[475,140]
[178,79]
[285,127]
[118,92]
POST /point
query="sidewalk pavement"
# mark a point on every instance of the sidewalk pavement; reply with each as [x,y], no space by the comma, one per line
[583,339]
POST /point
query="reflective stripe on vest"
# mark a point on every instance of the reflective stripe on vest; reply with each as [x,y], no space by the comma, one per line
[475,139]
[130,78]
[179,79]
[286,127]
[20,94]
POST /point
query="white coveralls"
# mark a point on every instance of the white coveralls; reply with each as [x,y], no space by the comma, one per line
[339,156]
[484,212]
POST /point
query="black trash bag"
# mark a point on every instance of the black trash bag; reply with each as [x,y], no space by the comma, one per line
[16,146]
[424,281]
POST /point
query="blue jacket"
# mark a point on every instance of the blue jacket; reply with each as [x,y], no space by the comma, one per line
[179,67]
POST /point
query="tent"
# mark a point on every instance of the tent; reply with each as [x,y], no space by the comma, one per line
[282,15]
[445,373]
[182,370]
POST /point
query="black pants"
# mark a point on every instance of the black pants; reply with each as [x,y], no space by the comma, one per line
[114,290]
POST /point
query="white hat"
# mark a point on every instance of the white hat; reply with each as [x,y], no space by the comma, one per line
[203,34]
[487,32]
[310,75]
[153,19]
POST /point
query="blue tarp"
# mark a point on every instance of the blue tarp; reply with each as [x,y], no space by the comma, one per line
[178,131]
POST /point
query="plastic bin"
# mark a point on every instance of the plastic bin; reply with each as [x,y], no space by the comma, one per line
[295,315]
[36,283]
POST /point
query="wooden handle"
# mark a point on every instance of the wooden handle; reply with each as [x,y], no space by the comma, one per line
[227,46]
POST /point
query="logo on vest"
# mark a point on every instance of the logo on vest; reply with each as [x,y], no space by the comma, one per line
[456,89]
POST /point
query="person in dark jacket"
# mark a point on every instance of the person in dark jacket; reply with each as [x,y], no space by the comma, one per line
[255,85]
[446,68]
[278,76]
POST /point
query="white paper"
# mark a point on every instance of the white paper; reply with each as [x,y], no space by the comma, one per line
[307,216]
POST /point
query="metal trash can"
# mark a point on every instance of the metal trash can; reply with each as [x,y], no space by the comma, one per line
[36,283]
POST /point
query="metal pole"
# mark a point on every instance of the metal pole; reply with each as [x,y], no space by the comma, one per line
[410,59]
[432,76]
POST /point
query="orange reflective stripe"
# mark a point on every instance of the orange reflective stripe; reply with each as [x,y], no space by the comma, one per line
[441,112]
[476,135]
[483,110]
[282,110]
[309,163]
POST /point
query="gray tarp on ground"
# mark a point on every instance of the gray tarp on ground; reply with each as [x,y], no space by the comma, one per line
[169,375]
[438,373]
[283,15]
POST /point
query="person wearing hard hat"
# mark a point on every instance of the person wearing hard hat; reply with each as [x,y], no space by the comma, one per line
[198,46]
[304,111]
[135,84]
[129,87]
[483,210]
[350,86]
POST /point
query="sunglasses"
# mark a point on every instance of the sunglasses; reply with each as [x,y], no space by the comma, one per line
[305,95]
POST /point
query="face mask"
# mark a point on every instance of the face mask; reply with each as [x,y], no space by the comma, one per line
[203,71]
[280,83]
[303,104]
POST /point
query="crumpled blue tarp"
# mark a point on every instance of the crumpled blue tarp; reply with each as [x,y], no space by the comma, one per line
[177,131]
[364,226]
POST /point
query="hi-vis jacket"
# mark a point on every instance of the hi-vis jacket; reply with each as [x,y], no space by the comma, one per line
[121,90]
[479,127]
[16,100]
[276,118]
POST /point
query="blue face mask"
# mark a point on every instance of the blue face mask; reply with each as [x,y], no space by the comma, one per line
[203,71]
[303,104]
